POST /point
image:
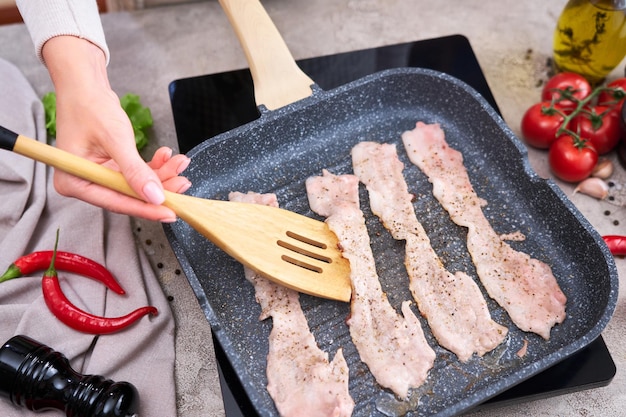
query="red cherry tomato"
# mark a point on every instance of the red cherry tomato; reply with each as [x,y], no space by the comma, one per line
[601,127]
[606,97]
[564,83]
[572,159]
[540,124]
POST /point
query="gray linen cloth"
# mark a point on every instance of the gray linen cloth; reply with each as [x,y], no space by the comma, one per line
[31,211]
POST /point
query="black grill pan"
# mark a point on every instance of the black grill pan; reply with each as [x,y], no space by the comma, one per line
[278,151]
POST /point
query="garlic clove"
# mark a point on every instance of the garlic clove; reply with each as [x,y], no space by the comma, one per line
[594,187]
[603,169]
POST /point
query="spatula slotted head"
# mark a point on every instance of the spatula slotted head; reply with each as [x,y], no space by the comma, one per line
[285,247]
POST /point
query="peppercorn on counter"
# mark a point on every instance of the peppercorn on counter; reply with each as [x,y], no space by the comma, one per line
[151,48]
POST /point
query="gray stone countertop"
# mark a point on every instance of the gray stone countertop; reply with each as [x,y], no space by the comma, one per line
[150,48]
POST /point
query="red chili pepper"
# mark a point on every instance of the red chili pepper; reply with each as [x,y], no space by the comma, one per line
[65,261]
[76,318]
[616,244]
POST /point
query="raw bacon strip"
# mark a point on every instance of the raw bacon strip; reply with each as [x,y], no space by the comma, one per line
[523,286]
[392,346]
[301,381]
[452,303]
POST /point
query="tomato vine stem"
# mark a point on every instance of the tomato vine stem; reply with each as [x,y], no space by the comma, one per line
[568,94]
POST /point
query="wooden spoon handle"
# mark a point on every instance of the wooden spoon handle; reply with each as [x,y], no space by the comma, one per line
[278,81]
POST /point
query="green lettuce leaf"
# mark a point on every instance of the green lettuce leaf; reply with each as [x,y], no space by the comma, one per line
[50,107]
[140,117]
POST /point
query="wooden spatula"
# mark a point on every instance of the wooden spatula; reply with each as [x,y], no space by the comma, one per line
[293,250]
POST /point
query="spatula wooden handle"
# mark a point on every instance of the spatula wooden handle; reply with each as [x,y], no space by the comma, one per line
[65,161]
[278,81]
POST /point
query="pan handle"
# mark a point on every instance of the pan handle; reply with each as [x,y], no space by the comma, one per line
[278,81]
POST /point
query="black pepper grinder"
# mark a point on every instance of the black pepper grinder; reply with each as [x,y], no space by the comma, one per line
[34,376]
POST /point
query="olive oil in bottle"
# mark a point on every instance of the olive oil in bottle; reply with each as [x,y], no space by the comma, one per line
[590,38]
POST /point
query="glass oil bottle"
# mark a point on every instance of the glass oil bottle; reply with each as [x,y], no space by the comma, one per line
[590,38]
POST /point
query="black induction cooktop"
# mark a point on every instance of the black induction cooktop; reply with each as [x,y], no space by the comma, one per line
[208,105]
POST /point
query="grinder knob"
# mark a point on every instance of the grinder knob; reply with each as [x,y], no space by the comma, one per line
[38,378]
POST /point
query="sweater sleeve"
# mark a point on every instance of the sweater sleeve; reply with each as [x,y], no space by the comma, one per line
[46,19]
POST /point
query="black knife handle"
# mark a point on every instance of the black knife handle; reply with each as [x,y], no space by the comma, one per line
[7,139]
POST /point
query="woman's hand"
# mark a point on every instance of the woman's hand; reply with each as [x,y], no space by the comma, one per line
[92,124]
